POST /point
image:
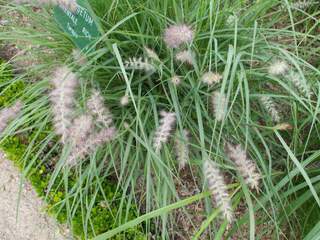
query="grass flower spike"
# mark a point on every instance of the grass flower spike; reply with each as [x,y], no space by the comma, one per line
[9,113]
[152,54]
[278,68]
[164,130]
[270,106]
[80,129]
[62,98]
[69,4]
[142,64]
[219,104]
[246,167]
[182,148]
[79,57]
[176,35]
[218,189]
[185,56]
[97,108]
[211,78]
[300,84]
[93,141]
[124,101]
[302,4]
[176,80]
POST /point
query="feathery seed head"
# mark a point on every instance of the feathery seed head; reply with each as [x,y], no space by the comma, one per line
[124,101]
[182,148]
[218,189]
[62,98]
[152,54]
[231,19]
[142,64]
[97,108]
[164,130]
[80,129]
[270,106]
[219,104]
[176,80]
[302,5]
[94,141]
[176,35]
[278,67]
[185,56]
[211,78]
[64,76]
[300,83]
[79,57]
[8,114]
[246,167]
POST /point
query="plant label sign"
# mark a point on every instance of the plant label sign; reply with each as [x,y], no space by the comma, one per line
[79,24]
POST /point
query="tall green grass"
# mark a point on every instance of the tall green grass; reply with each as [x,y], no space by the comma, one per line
[241,51]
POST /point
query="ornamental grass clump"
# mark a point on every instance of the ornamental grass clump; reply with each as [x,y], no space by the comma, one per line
[186,62]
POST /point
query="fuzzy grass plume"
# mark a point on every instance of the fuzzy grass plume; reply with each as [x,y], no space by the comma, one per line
[9,113]
[211,78]
[300,84]
[176,80]
[80,129]
[185,56]
[218,189]
[270,106]
[278,67]
[176,35]
[152,54]
[93,141]
[182,148]
[164,130]
[246,167]
[62,98]
[142,64]
[219,105]
[97,108]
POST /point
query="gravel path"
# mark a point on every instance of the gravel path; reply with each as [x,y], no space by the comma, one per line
[32,222]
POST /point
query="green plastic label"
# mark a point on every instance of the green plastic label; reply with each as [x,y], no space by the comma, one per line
[80,25]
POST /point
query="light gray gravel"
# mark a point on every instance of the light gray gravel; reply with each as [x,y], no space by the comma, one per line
[32,222]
